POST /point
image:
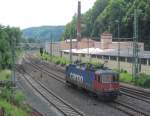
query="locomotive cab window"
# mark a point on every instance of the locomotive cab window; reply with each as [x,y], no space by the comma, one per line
[106,78]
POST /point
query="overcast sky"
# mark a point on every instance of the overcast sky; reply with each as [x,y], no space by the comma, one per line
[29,13]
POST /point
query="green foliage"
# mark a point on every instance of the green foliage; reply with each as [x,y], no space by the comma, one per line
[19,98]
[55,59]
[125,77]
[95,64]
[70,29]
[5,74]
[103,15]
[6,93]
[13,99]
[11,110]
[9,36]
[143,80]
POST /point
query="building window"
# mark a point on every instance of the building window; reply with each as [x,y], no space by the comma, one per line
[113,58]
[129,59]
[93,56]
[143,61]
[83,55]
[122,59]
[99,56]
[106,57]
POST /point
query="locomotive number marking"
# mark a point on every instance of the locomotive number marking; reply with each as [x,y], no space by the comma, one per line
[76,77]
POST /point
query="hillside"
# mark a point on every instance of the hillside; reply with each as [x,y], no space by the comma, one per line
[43,33]
[103,15]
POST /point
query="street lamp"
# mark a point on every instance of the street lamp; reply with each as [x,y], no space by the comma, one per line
[118,38]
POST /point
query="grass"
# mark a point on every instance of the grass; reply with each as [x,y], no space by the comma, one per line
[11,103]
[55,59]
[5,74]
[11,110]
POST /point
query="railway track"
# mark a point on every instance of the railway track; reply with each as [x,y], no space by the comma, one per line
[122,106]
[135,94]
[51,97]
[127,91]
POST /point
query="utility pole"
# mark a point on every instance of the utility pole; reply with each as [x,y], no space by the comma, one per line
[118,37]
[135,62]
[88,50]
[51,51]
[13,59]
[70,49]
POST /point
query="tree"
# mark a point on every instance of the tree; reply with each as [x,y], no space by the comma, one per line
[6,35]
[101,17]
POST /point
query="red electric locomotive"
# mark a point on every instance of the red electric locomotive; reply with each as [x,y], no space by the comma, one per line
[101,81]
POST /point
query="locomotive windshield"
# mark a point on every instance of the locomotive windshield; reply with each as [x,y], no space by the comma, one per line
[109,78]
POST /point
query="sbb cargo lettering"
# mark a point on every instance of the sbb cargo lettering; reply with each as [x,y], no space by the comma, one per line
[76,77]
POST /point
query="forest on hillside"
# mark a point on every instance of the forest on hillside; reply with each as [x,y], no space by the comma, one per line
[43,33]
[104,14]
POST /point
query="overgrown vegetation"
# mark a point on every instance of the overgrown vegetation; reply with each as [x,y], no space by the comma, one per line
[125,77]
[5,74]
[103,15]
[12,101]
[143,80]
[11,110]
[63,61]
[9,38]
[55,59]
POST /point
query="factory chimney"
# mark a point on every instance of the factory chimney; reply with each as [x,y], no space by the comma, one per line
[79,21]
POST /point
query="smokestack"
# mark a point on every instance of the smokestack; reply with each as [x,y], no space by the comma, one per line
[79,21]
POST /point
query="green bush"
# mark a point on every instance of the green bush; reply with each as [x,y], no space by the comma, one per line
[6,94]
[123,71]
[5,74]
[19,98]
[12,110]
[55,59]
[143,80]
[125,77]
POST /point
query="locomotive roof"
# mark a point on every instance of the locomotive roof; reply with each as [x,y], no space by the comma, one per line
[102,71]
